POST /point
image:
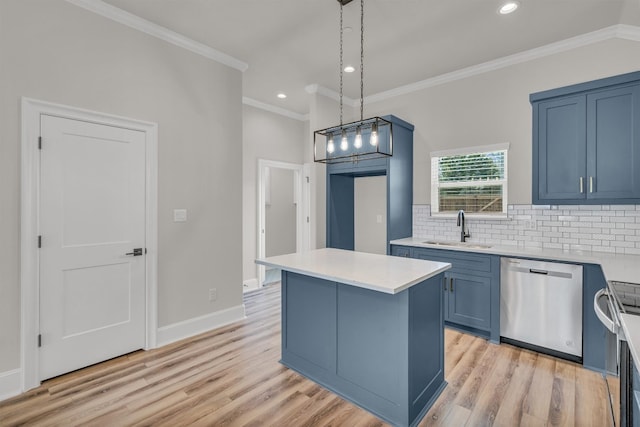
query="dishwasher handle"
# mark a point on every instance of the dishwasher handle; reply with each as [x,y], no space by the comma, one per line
[610,324]
[534,271]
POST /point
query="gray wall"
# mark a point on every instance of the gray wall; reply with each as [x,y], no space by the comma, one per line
[57,52]
[323,112]
[266,136]
[370,201]
[494,107]
[280,213]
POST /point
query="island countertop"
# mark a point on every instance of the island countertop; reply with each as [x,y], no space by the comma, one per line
[382,273]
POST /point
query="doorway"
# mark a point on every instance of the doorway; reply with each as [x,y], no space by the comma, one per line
[281,209]
[89,246]
[370,214]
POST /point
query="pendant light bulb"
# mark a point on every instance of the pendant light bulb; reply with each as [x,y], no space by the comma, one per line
[331,147]
[344,144]
[373,140]
[358,141]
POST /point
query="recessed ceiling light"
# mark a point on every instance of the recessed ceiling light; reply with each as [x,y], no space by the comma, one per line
[508,7]
[347,29]
[349,69]
[282,95]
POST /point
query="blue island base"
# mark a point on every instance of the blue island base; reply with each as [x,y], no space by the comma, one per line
[383,352]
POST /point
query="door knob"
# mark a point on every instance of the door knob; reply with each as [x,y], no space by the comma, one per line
[136,252]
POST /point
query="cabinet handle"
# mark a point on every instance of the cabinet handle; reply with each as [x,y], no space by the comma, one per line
[590,184]
[444,280]
[451,284]
[581,185]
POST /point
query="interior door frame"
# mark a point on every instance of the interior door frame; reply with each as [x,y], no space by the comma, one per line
[299,189]
[32,110]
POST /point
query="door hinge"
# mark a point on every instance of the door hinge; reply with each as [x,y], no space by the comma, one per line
[39,143]
[307,219]
[39,242]
[39,340]
[307,179]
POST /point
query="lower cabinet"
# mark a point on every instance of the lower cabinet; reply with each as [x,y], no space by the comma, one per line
[471,288]
[468,300]
[471,297]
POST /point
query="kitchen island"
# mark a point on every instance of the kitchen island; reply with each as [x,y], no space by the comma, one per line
[368,327]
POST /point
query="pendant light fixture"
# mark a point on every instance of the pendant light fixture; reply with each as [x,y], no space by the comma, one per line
[364,139]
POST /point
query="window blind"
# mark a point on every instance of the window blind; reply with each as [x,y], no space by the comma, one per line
[475,182]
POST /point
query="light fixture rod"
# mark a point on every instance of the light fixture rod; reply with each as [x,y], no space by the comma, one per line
[341,67]
[377,131]
[361,60]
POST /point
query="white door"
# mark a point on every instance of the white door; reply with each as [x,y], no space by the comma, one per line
[92,216]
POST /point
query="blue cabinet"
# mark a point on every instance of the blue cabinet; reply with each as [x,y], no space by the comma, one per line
[469,300]
[398,170]
[586,143]
[562,151]
[471,288]
[383,352]
[613,144]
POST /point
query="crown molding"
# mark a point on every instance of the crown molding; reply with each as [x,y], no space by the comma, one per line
[627,32]
[316,88]
[273,109]
[621,31]
[123,17]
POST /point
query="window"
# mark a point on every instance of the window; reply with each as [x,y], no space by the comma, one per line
[473,179]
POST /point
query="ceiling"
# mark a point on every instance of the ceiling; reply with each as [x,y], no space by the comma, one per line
[290,44]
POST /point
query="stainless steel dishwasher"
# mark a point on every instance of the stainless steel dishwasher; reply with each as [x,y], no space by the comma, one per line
[541,306]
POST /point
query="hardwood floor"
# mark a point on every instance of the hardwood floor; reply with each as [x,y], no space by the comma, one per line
[231,377]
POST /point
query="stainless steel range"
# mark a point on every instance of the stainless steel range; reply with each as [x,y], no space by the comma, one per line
[627,296]
[609,303]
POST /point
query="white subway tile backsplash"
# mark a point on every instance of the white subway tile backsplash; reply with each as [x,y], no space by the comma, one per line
[606,228]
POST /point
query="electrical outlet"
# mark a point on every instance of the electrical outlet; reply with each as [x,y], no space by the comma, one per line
[531,224]
[213,294]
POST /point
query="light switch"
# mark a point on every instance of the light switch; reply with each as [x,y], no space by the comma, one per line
[179,215]
[379,219]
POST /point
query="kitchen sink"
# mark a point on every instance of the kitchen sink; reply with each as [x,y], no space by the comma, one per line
[458,244]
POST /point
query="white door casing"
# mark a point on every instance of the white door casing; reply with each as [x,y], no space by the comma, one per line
[92,213]
[263,166]
[83,247]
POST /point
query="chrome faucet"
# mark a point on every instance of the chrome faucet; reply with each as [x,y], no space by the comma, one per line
[463,235]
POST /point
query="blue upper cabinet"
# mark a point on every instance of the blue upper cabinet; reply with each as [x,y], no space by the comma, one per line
[613,144]
[586,143]
[561,149]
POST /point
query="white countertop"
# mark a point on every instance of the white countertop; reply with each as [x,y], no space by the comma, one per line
[383,273]
[617,267]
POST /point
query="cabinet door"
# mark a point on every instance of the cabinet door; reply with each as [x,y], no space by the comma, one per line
[560,149]
[613,144]
[469,300]
[401,251]
[446,279]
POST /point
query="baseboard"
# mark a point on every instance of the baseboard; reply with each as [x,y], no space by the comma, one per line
[250,285]
[188,328]
[10,384]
